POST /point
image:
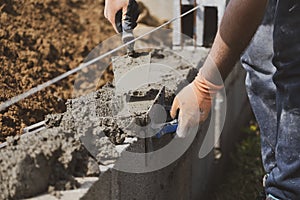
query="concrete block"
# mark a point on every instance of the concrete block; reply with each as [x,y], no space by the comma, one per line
[199,23]
[219,4]
[177,40]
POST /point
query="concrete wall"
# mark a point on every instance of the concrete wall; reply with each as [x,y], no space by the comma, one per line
[189,177]
[238,115]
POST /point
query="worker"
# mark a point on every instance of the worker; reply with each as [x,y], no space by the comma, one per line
[273,87]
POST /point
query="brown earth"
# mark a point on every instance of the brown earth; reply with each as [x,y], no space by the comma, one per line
[40,40]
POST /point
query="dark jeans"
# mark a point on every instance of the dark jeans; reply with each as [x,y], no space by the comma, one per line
[273,88]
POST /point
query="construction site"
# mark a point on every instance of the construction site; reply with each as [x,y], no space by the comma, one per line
[96,133]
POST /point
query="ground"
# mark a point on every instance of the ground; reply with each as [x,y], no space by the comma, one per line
[243,179]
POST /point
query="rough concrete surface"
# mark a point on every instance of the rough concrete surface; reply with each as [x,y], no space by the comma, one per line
[33,164]
[171,73]
[51,159]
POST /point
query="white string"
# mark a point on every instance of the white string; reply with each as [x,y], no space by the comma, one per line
[40,87]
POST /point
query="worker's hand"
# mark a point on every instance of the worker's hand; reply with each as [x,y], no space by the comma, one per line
[194,103]
[121,14]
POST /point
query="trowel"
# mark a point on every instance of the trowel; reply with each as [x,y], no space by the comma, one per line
[127,36]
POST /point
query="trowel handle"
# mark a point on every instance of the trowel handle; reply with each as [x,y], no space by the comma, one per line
[118,21]
[129,21]
[167,129]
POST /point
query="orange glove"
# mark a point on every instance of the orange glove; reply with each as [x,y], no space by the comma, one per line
[194,102]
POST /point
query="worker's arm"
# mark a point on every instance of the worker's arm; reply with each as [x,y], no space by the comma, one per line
[239,23]
[122,14]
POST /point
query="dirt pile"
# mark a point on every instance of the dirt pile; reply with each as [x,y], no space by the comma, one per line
[38,41]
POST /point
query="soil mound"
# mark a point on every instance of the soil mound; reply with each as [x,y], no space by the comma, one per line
[38,41]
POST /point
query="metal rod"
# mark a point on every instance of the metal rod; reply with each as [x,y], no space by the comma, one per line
[35,128]
[2,145]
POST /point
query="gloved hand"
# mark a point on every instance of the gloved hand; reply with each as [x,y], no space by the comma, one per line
[194,103]
[122,14]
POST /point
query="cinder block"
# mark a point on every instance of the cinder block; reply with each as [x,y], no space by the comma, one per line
[199,17]
[219,4]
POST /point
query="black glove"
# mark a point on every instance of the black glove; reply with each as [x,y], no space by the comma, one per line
[131,16]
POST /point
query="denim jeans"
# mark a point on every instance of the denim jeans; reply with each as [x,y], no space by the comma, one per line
[272,62]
